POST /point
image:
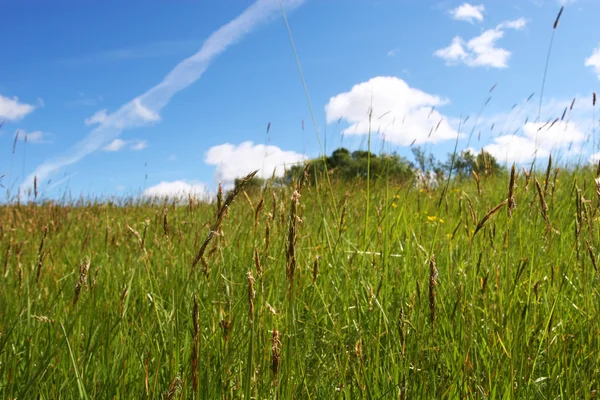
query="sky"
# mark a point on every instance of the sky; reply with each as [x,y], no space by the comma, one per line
[129,97]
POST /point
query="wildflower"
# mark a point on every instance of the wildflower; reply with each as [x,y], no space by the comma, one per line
[433,218]
[394,205]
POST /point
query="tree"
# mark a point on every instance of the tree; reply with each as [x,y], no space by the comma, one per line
[467,162]
[348,166]
[427,163]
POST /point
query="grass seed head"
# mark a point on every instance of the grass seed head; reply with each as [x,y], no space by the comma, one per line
[543,204]
[433,275]
[275,354]
[511,192]
[83,274]
[259,270]
[592,256]
[558,17]
[488,216]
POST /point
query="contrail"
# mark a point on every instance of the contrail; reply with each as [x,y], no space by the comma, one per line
[145,108]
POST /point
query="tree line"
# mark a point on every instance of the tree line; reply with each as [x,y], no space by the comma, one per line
[360,164]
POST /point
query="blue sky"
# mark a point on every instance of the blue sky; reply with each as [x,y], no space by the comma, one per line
[122,97]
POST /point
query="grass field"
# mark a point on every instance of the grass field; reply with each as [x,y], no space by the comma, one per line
[410,292]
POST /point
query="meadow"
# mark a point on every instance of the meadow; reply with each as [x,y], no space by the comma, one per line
[481,287]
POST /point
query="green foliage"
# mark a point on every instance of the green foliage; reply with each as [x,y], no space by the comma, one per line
[427,163]
[466,162]
[349,167]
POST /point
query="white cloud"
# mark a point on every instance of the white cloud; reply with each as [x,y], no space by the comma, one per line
[517,24]
[179,189]
[402,114]
[146,107]
[453,53]
[31,137]
[468,12]
[233,162]
[481,51]
[538,140]
[98,118]
[138,145]
[119,144]
[513,148]
[115,145]
[553,137]
[144,113]
[593,61]
[12,109]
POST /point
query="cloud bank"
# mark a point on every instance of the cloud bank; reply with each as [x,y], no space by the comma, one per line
[233,161]
[177,190]
[402,114]
[538,140]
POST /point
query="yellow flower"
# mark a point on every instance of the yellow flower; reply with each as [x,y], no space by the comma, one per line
[433,218]
[394,205]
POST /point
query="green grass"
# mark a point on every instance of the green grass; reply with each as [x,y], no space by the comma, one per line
[516,305]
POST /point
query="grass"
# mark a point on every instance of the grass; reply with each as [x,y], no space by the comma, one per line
[320,289]
[102,301]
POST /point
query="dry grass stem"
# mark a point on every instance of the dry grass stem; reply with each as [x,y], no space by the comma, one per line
[488,216]
[433,275]
[543,204]
[275,354]
[293,229]
[315,269]
[83,274]
[219,221]
[547,179]
[592,256]
[259,270]
[511,192]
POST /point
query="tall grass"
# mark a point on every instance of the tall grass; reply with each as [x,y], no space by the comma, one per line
[319,289]
[505,308]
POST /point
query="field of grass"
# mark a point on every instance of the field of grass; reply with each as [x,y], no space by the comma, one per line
[317,293]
